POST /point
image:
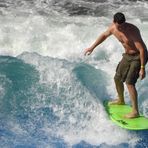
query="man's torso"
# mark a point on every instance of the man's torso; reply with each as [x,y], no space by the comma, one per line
[127,35]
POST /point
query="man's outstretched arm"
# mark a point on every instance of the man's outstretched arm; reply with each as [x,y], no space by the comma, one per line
[99,40]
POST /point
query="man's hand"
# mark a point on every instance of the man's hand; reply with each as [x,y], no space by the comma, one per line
[142,73]
[88,51]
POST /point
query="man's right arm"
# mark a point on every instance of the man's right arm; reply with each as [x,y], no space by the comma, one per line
[99,40]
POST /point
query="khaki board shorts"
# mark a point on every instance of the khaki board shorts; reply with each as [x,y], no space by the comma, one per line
[128,68]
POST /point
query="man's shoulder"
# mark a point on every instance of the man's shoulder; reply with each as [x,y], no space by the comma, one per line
[111,27]
[132,26]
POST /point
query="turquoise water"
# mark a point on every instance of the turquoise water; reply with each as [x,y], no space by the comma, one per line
[50,93]
[57,103]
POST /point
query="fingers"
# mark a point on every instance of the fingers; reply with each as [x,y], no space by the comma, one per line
[142,76]
[87,51]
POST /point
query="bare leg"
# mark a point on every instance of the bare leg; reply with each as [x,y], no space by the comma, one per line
[133,96]
[120,90]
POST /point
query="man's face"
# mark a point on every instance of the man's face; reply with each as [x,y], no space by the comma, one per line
[118,26]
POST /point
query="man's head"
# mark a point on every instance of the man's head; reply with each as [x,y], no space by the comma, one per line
[119,18]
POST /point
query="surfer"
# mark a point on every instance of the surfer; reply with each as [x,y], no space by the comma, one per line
[132,64]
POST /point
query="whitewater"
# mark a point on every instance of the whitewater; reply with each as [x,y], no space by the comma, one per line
[51,95]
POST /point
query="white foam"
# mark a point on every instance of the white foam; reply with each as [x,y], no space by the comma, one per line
[81,116]
[95,131]
[63,37]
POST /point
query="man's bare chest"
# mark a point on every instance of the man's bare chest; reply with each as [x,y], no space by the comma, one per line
[124,38]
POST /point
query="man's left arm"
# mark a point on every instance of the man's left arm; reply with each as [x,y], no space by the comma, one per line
[140,47]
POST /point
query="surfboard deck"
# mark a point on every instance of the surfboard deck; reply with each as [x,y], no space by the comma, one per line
[117,112]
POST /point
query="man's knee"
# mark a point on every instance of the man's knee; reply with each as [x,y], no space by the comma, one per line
[117,80]
[130,86]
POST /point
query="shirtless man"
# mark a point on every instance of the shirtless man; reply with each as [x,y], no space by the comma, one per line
[133,61]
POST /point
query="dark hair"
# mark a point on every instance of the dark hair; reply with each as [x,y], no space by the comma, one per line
[119,18]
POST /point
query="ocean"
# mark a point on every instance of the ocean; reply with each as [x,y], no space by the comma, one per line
[51,95]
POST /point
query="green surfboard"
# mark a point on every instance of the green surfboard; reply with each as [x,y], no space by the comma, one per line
[117,112]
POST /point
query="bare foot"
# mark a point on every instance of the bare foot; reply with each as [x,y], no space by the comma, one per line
[116,102]
[132,115]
